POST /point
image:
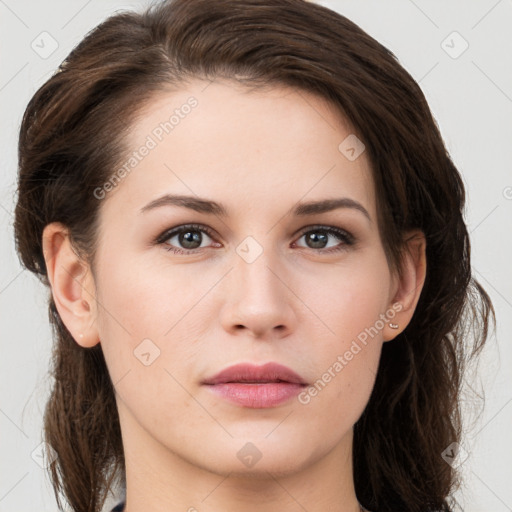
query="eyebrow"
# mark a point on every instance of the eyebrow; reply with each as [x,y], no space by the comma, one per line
[213,208]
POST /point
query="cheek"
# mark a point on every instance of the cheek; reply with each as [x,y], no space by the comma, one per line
[347,359]
[146,319]
[354,296]
[146,346]
[141,300]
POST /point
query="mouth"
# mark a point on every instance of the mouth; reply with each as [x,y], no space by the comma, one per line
[253,386]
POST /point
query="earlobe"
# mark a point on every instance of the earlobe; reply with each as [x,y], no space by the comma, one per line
[409,285]
[71,284]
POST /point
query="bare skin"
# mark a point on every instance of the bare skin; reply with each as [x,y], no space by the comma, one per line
[258,154]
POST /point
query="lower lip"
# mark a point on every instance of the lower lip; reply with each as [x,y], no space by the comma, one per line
[257,396]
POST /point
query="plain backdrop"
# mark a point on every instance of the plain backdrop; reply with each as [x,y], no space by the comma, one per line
[460,52]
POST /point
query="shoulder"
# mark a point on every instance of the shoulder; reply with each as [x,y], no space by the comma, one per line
[119,507]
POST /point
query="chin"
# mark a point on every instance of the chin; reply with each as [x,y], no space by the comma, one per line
[257,457]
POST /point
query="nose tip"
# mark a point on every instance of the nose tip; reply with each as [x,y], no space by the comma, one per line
[258,301]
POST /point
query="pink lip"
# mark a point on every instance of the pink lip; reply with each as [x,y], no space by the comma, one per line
[256,386]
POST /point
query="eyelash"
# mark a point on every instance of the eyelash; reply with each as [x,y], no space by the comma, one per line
[344,236]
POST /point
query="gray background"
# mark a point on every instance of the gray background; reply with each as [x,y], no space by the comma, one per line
[470,94]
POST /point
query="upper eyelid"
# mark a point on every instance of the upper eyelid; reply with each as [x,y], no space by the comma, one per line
[168,233]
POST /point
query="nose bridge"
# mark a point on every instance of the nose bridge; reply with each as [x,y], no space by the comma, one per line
[258,298]
[256,267]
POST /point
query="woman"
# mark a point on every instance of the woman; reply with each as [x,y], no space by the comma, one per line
[259,268]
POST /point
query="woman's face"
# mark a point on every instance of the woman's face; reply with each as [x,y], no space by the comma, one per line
[255,283]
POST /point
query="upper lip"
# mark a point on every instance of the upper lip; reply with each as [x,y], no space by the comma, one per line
[246,372]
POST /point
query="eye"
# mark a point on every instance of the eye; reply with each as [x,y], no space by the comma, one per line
[318,238]
[189,237]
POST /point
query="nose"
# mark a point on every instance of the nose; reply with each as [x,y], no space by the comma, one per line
[259,299]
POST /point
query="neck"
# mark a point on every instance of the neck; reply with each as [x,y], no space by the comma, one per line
[159,480]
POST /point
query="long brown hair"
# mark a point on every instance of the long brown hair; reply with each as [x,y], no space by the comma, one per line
[72,139]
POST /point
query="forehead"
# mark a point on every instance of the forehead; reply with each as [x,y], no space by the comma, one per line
[243,147]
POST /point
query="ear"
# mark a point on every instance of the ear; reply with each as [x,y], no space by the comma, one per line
[72,285]
[406,290]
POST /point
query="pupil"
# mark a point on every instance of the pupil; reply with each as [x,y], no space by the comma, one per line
[318,241]
[190,237]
